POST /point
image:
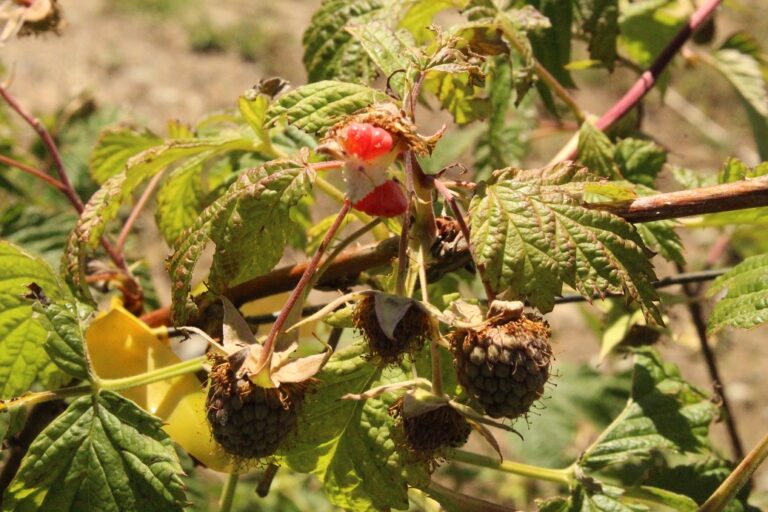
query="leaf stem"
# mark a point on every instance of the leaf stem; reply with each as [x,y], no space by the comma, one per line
[228,492]
[34,172]
[298,291]
[560,476]
[403,261]
[737,479]
[140,204]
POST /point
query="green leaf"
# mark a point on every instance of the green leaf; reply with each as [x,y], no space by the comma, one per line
[647,27]
[179,198]
[599,20]
[66,341]
[23,360]
[531,235]
[115,147]
[675,502]
[420,14]
[259,219]
[459,95]
[38,230]
[352,445]
[663,413]
[393,52]
[735,170]
[105,203]
[103,453]
[552,47]
[744,73]
[585,399]
[660,237]
[602,499]
[596,151]
[316,107]
[237,222]
[745,304]
[640,161]
[330,52]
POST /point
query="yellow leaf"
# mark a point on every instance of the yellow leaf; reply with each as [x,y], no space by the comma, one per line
[121,345]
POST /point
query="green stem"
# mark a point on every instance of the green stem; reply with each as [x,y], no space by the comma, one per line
[561,476]
[737,479]
[142,379]
[121,384]
[228,492]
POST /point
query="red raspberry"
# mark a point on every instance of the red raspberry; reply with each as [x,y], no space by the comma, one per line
[365,141]
[387,200]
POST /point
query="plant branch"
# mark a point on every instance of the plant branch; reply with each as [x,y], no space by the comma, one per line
[560,476]
[34,172]
[737,479]
[728,197]
[648,78]
[136,211]
[403,262]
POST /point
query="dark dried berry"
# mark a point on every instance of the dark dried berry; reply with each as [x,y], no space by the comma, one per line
[408,336]
[249,421]
[505,367]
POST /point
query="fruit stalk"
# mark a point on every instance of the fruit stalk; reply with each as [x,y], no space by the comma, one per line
[298,292]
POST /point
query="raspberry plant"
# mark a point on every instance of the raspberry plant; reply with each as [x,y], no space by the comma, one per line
[437,334]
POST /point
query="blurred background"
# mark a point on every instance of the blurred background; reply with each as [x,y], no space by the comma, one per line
[149,61]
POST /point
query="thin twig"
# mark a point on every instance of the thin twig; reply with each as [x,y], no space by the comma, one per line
[697,315]
[298,292]
[50,145]
[647,79]
[34,172]
[403,262]
[134,215]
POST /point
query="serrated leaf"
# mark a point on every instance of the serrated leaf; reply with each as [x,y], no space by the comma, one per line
[316,107]
[260,198]
[663,413]
[744,73]
[552,47]
[647,27]
[531,236]
[351,444]
[639,161]
[23,360]
[600,21]
[178,201]
[596,151]
[115,147]
[65,344]
[660,237]
[330,52]
[580,500]
[105,203]
[393,52]
[745,304]
[37,230]
[103,453]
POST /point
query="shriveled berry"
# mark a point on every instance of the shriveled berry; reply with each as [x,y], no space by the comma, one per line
[386,200]
[409,335]
[249,421]
[506,366]
[366,141]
